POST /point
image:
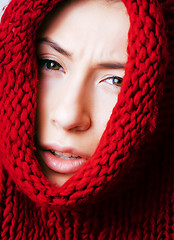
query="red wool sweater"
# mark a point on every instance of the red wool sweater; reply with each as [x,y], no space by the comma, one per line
[125,191]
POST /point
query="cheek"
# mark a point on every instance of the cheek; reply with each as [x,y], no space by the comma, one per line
[103,107]
[47,96]
[43,104]
[43,110]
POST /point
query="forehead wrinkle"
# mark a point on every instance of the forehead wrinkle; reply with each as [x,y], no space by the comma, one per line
[95,48]
[100,60]
[96,53]
[54,45]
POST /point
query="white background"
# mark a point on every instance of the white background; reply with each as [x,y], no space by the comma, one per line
[3,3]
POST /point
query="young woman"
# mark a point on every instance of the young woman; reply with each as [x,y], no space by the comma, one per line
[81,70]
[86,125]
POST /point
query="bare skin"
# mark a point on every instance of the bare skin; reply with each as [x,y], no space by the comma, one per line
[82,62]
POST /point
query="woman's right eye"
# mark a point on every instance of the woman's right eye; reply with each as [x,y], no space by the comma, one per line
[50,65]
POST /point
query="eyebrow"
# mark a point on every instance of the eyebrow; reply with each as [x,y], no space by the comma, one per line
[113,65]
[108,65]
[54,46]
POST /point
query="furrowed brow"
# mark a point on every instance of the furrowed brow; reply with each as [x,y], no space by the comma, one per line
[55,46]
[113,65]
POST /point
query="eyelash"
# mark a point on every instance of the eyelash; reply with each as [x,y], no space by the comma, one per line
[50,65]
[118,80]
[55,66]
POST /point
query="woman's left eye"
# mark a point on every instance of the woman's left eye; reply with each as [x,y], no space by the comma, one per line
[115,80]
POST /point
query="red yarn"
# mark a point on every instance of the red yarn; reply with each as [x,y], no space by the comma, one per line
[125,191]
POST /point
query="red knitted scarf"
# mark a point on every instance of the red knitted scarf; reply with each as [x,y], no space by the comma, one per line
[125,191]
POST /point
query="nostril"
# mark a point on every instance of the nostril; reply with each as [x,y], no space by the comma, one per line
[72,123]
[70,116]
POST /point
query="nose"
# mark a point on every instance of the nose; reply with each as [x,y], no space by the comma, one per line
[71,112]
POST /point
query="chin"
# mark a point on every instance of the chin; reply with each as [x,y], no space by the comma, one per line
[57,179]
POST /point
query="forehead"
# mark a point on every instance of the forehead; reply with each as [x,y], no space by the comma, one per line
[69,8]
[95,27]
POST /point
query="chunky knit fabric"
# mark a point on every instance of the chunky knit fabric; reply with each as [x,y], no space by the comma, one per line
[125,191]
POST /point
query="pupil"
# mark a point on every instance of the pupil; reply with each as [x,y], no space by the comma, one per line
[117,80]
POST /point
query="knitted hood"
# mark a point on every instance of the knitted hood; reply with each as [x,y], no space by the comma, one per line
[138,119]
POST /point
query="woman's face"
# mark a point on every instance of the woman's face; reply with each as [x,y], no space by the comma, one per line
[82,58]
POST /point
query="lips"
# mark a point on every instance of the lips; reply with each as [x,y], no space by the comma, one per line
[67,156]
[62,160]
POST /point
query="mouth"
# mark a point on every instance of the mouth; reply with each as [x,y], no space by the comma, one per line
[67,156]
[62,160]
